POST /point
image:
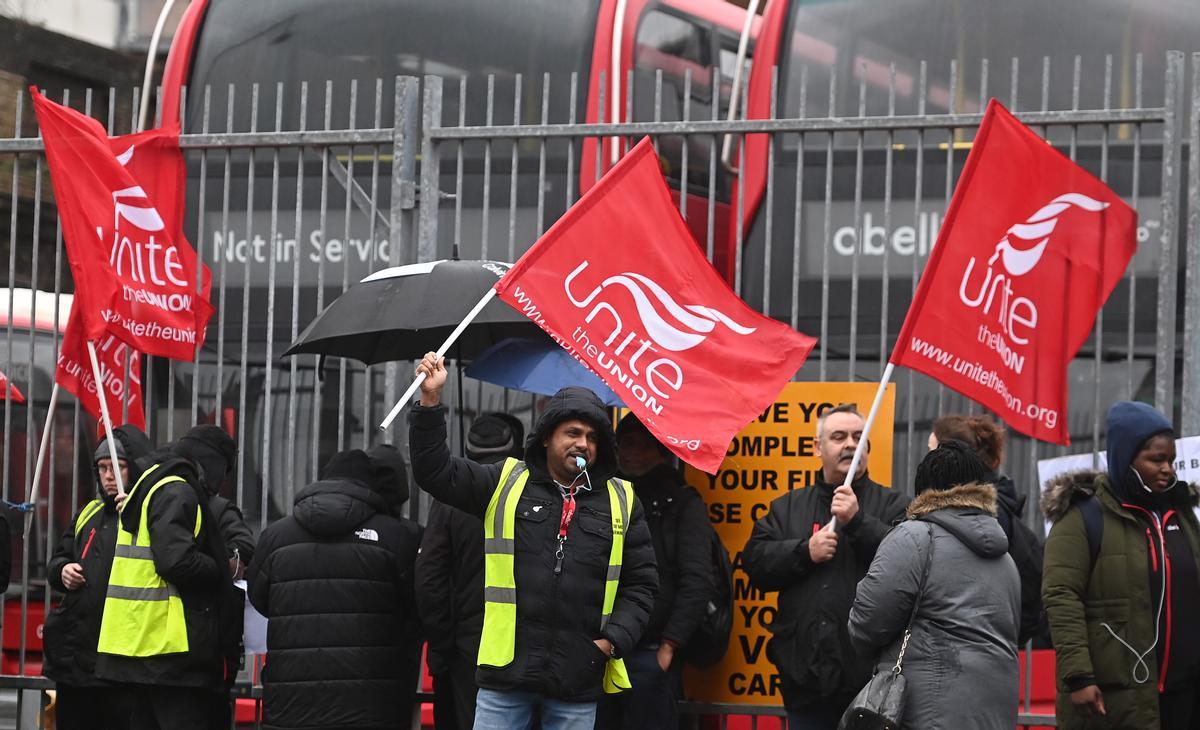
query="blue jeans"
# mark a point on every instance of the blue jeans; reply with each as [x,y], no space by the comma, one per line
[513,710]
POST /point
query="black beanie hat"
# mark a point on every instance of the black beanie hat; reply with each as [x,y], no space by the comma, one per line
[631,423]
[494,437]
[952,463]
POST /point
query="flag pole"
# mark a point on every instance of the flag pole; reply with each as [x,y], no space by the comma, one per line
[391,416]
[108,427]
[41,457]
[866,434]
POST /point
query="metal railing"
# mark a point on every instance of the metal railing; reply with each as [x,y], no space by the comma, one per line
[288,218]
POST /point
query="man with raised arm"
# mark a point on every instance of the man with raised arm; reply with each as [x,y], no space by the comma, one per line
[569,571]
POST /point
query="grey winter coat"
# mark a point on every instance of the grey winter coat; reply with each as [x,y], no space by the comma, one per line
[961,663]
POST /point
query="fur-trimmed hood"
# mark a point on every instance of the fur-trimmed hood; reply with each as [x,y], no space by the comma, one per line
[966,496]
[967,511]
[1063,490]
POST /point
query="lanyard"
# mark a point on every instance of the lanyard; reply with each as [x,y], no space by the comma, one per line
[568,513]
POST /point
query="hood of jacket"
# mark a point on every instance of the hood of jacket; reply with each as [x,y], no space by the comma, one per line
[1128,425]
[581,403]
[1006,493]
[1065,489]
[344,499]
[133,446]
[967,511]
[389,475]
[212,450]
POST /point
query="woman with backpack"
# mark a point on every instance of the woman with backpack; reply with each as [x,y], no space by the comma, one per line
[941,601]
[1122,585]
[988,438]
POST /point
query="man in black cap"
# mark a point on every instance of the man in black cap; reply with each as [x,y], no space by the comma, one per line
[569,572]
[171,625]
[336,581]
[79,568]
[450,581]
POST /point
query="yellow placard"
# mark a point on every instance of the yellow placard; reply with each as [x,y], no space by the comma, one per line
[771,456]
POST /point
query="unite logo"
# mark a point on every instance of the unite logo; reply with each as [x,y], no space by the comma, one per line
[142,259]
[1017,316]
[632,361]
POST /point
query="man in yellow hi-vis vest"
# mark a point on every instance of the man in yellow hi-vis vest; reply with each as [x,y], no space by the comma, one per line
[79,569]
[169,590]
[569,572]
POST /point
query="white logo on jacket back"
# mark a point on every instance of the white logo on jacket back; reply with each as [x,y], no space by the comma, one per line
[367,533]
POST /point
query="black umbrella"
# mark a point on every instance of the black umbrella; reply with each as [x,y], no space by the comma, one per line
[404,312]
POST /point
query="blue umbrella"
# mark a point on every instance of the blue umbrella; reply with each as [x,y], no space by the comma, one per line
[536,366]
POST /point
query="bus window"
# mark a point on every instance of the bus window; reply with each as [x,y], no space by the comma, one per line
[862,39]
[676,45]
[268,42]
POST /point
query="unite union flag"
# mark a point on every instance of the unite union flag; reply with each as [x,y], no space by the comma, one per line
[1031,247]
[619,283]
[120,201]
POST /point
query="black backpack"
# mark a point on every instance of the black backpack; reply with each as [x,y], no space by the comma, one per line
[708,644]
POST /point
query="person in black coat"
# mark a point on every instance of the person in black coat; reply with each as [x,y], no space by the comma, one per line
[449,578]
[561,644]
[79,568]
[181,690]
[815,569]
[335,580]
[682,534]
[215,453]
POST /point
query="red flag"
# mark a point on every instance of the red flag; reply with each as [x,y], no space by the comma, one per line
[1031,248]
[8,390]
[74,373]
[121,206]
[619,282]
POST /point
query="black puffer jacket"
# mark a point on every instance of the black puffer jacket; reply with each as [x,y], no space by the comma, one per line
[73,627]
[336,581]
[195,565]
[682,534]
[810,645]
[558,616]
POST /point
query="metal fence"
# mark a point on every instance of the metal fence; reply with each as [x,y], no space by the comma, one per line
[288,212]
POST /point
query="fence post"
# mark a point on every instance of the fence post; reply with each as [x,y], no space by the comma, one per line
[431,197]
[1168,262]
[403,198]
[1190,416]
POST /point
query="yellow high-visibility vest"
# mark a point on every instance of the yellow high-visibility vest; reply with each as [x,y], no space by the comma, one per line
[497,645]
[90,509]
[143,613]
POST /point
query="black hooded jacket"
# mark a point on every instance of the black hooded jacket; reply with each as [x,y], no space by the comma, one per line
[72,629]
[682,534]
[810,645]
[558,616]
[336,581]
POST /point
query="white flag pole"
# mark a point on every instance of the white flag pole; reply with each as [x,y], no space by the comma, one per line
[108,427]
[41,457]
[391,416]
[866,434]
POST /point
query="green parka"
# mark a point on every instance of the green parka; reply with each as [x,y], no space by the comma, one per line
[1079,597]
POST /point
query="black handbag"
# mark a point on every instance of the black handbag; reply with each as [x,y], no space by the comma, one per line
[880,705]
